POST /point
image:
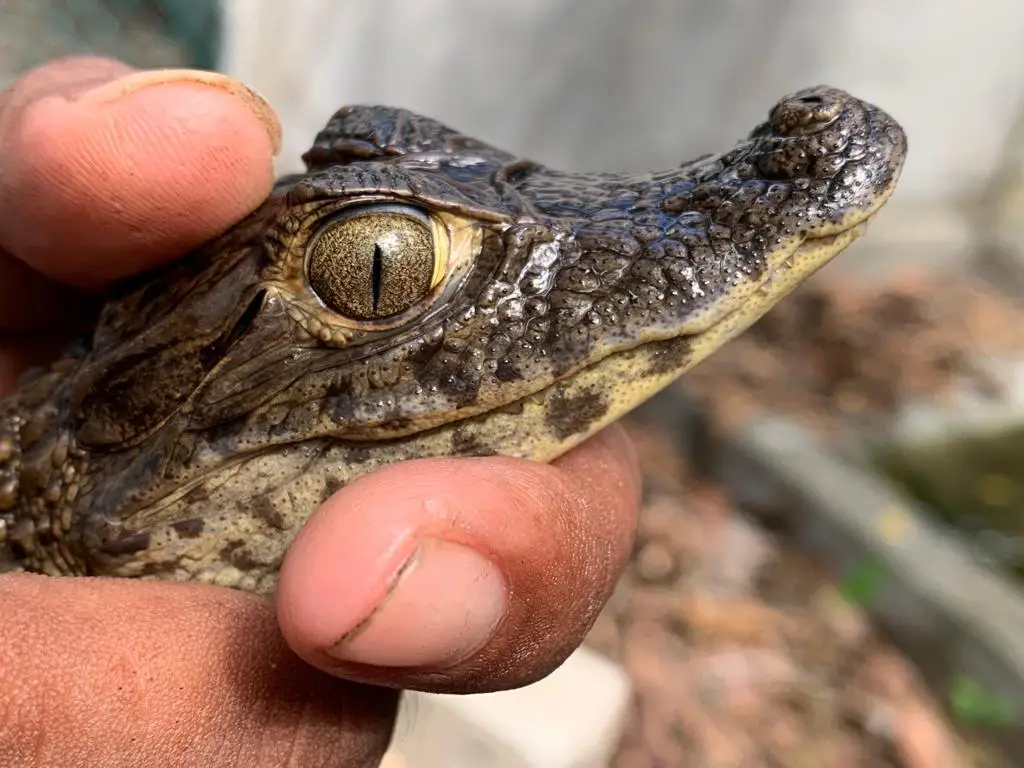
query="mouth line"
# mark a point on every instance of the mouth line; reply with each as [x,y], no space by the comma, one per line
[786,270]
[812,242]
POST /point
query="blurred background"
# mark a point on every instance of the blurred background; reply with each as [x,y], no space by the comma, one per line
[829,567]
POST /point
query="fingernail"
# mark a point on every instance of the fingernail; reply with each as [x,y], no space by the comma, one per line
[444,604]
[128,84]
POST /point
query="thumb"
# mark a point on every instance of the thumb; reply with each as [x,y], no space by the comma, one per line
[106,171]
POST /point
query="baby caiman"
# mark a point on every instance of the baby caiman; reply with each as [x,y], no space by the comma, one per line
[416,292]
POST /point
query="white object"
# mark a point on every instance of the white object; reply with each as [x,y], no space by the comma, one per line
[574,718]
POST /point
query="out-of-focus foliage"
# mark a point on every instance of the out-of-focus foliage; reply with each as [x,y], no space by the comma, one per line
[144,33]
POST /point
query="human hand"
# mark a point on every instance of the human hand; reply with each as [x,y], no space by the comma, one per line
[479,574]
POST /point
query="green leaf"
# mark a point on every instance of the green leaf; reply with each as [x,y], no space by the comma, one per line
[974,704]
[863,581]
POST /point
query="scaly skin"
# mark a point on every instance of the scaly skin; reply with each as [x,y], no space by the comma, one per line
[219,402]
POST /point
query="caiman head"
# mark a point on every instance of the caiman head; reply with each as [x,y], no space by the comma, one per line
[418,292]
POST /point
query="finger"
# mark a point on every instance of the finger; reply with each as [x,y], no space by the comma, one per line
[461,575]
[19,354]
[28,300]
[105,171]
[102,672]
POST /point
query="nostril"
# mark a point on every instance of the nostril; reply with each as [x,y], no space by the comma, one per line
[807,111]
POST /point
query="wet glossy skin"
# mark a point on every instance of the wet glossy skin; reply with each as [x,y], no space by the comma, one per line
[415,293]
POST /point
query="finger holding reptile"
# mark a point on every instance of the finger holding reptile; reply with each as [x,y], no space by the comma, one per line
[417,295]
[107,173]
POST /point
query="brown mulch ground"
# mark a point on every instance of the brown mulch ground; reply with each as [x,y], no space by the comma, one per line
[741,650]
[838,349]
[743,654]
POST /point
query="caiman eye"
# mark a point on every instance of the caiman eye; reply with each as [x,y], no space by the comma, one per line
[376,261]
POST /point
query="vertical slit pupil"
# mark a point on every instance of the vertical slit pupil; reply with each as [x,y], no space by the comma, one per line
[376,275]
